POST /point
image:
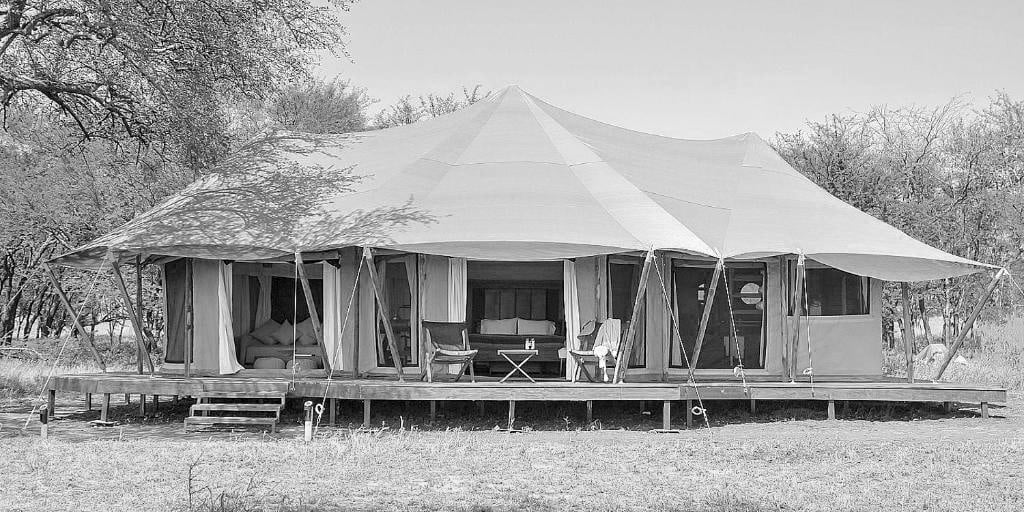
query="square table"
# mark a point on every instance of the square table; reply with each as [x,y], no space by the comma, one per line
[519,353]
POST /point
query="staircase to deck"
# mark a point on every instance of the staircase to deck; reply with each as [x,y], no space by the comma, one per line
[236,409]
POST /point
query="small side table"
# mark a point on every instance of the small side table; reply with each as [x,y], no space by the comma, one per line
[524,356]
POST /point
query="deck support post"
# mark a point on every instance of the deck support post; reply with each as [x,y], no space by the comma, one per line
[689,413]
[156,402]
[318,332]
[481,406]
[709,301]
[590,412]
[969,324]
[511,414]
[127,398]
[366,412]
[51,402]
[88,401]
[140,335]
[947,407]
[622,358]
[332,411]
[433,410]
[379,294]
[105,407]
[831,409]
[798,308]
[984,409]
[908,330]
[753,407]
[142,405]
[666,415]
[73,315]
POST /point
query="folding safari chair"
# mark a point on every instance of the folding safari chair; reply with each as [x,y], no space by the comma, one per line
[584,354]
[450,342]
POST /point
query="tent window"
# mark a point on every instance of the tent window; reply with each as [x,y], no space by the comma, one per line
[832,292]
[394,279]
[623,282]
[720,350]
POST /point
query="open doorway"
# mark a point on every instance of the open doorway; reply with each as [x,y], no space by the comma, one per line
[509,302]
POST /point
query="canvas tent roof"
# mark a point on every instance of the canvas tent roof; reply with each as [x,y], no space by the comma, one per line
[514,178]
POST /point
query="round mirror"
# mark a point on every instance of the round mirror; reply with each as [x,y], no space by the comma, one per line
[750,293]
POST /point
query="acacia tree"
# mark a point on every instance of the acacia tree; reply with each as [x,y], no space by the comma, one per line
[948,176]
[146,68]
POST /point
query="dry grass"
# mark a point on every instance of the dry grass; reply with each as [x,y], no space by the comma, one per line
[850,466]
[21,378]
[994,357]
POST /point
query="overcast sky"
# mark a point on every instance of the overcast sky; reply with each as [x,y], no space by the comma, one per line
[691,69]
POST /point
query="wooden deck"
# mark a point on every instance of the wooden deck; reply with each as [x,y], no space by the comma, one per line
[349,388]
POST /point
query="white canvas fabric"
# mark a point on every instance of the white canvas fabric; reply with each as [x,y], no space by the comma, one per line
[514,178]
[227,359]
[570,296]
[335,303]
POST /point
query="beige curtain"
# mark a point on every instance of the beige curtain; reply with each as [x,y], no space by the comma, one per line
[334,306]
[570,297]
[457,289]
[226,357]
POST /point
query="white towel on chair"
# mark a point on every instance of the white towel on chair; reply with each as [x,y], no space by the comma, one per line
[608,336]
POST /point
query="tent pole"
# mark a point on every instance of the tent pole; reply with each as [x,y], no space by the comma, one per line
[798,306]
[189,318]
[622,359]
[969,324]
[908,330]
[709,301]
[311,306]
[379,294]
[136,324]
[74,317]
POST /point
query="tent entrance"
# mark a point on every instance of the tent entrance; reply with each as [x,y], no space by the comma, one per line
[742,309]
[509,302]
[397,275]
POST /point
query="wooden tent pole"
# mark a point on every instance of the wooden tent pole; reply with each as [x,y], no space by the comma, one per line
[969,324]
[705,317]
[798,306]
[189,318]
[908,330]
[74,317]
[311,306]
[379,294]
[622,359]
[136,324]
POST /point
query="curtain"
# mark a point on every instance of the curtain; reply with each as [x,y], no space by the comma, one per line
[457,289]
[334,304]
[263,303]
[241,315]
[228,361]
[572,313]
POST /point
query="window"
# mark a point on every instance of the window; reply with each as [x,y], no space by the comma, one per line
[741,307]
[394,274]
[623,283]
[831,292]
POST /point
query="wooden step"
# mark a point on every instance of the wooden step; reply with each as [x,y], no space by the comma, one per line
[268,395]
[275,408]
[230,420]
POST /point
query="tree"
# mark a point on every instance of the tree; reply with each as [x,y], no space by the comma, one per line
[407,110]
[149,69]
[320,107]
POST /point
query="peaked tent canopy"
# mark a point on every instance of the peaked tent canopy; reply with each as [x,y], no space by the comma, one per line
[514,178]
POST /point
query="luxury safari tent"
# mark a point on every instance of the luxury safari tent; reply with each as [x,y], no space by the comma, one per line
[516,251]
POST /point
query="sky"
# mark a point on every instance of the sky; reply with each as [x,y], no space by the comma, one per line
[690,69]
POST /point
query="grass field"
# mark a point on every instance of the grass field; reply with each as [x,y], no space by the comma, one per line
[788,457]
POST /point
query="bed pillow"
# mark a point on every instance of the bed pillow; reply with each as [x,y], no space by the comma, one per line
[507,326]
[536,327]
[265,332]
[285,334]
[304,333]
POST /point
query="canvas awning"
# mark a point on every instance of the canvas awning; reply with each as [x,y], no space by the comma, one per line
[514,178]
